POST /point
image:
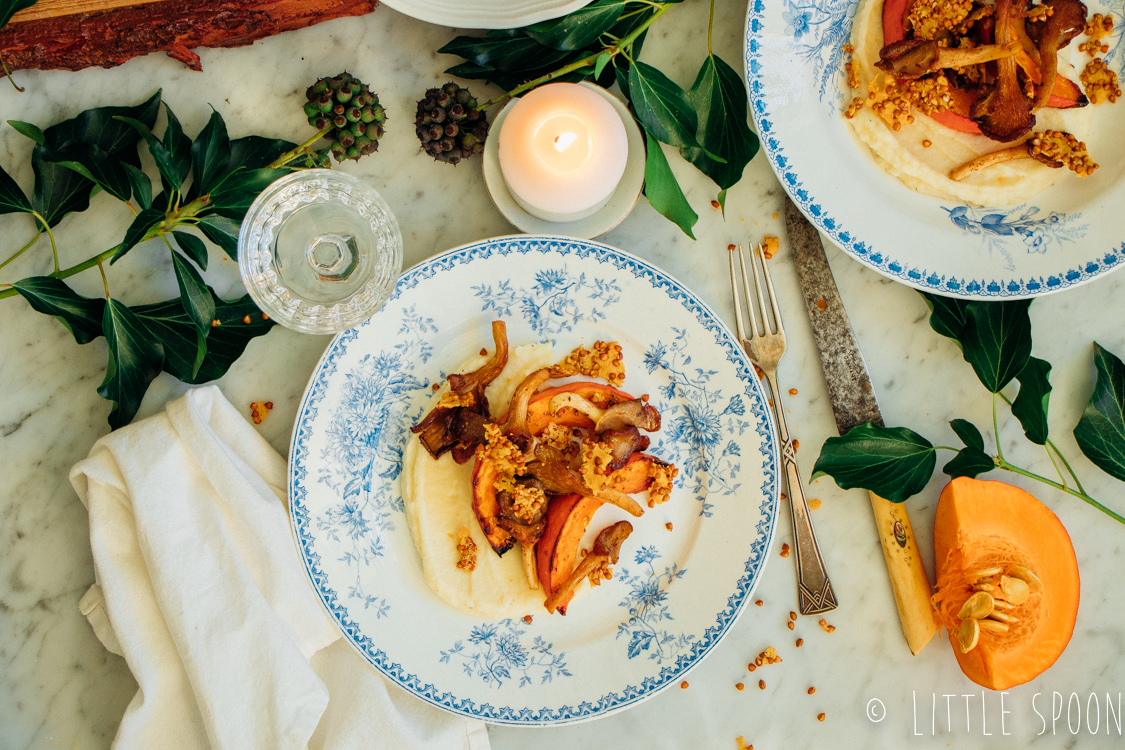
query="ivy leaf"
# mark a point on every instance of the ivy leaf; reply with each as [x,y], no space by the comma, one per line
[58,191]
[97,166]
[502,52]
[580,28]
[135,359]
[102,128]
[194,294]
[184,345]
[233,197]
[178,147]
[210,154]
[142,223]
[892,462]
[1030,406]
[194,248]
[166,163]
[600,63]
[141,185]
[1101,430]
[9,8]
[82,316]
[997,340]
[662,107]
[968,433]
[719,97]
[663,191]
[228,340]
[27,130]
[223,232]
[256,152]
[947,315]
[969,462]
[12,198]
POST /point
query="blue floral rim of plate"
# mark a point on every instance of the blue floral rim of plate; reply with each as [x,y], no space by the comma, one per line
[832,17]
[694,648]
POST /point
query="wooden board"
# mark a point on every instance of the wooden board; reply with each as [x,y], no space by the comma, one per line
[77,34]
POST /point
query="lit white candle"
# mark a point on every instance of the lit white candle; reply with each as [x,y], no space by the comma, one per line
[562,151]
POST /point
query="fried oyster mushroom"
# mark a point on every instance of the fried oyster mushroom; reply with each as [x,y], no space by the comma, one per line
[1053,148]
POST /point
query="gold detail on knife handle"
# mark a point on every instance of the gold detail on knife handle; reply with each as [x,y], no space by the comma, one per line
[908,575]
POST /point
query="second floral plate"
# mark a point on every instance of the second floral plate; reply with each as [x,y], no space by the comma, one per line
[685,574]
[1067,235]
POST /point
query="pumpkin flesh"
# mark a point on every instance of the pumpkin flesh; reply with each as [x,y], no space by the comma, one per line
[981,525]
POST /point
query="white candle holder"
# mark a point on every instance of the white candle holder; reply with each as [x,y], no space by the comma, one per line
[597,220]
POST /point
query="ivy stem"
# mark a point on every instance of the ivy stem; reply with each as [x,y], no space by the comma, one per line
[710,23]
[50,236]
[8,75]
[612,50]
[105,281]
[996,430]
[289,156]
[23,249]
[1051,445]
[1053,463]
[67,272]
[1082,495]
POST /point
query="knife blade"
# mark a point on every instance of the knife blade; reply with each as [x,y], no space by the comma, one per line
[854,403]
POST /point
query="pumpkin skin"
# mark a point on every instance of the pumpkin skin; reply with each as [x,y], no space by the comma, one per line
[979,524]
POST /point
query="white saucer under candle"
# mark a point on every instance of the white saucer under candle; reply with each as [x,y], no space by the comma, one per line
[563,150]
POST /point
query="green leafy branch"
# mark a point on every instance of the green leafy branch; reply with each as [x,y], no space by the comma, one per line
[995,339]
[207,185]
[602,42]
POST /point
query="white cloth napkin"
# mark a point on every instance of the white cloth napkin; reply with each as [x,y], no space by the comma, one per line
[200,588]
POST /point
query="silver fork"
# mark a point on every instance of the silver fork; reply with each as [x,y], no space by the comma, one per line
[814,590]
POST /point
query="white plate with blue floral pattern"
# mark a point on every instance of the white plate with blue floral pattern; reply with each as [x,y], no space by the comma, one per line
[674,594]
[1068,235]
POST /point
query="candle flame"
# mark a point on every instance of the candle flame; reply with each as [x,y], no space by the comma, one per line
[564,140]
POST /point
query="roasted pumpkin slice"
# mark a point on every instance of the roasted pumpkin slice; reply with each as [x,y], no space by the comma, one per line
[486,507]
[539,410]
[557,550]
[995,538]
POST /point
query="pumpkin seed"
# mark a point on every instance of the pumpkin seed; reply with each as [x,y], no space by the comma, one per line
[987,587]
[968,634]
[1001,604]
[1016,590]
[986,573]
[992,626]
[977,606]
[1025,575]
[1002,617]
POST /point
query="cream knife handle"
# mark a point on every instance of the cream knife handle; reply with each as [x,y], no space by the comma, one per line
[908,575]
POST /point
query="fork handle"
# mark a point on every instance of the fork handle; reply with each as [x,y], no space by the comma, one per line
[814,590]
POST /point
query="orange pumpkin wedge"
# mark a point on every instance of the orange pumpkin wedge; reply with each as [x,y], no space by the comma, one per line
[539,410]
[996,538]
[487,508]
[557,550]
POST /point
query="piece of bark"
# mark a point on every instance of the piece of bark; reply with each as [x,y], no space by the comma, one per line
[107,38]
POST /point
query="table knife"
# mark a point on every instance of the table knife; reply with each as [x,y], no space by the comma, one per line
[853,403]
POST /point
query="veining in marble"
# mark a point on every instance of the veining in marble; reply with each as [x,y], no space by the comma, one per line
[60,689]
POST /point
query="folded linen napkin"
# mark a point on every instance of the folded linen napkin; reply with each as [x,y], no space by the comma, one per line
[200,588]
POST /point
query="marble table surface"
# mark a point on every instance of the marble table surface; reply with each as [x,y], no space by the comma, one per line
[59,688]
